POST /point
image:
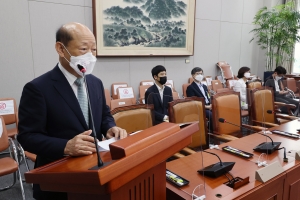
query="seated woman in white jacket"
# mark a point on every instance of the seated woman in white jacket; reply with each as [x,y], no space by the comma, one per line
[240,85]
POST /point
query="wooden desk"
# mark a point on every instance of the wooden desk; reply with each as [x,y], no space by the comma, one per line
[283,186]
[187,168]
[138,173]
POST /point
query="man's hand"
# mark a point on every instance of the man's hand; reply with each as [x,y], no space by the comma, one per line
[81,145]
[208,107]
[283,92]
[116,132]
[166,118]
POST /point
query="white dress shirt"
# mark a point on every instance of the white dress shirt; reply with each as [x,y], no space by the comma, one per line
[203,92]
[276,86]
[240,86]
[161,92]
[70,78]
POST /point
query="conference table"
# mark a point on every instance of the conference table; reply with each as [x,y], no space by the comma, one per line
[286,185]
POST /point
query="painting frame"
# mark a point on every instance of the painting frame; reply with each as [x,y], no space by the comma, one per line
[135,50]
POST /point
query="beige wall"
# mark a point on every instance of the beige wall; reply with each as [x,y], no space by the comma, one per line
[28,35]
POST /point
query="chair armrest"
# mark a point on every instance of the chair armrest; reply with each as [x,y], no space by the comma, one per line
[288,106]
[30,156]
[178,155]
[254,128]
[279,103]
[265,123]
[188,150]
[226,138]
[284,116]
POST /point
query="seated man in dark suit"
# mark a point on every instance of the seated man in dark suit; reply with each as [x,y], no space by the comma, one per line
[159,95]
[275,82]
[196,89]
[54,120]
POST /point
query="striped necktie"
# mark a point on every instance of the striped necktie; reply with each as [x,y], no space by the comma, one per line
[82,99]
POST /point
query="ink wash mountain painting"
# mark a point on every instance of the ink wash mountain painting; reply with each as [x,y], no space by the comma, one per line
[144,27]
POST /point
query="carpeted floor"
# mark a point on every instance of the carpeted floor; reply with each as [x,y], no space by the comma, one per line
[14,193]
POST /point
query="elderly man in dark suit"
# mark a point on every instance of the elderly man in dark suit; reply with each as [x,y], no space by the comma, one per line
[159,95]
[53,117]
[274,81]
[197,89]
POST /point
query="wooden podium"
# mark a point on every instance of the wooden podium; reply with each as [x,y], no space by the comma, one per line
[138,171]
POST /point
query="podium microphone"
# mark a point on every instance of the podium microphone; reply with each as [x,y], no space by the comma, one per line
[83,70]
[217,169]
[265,147]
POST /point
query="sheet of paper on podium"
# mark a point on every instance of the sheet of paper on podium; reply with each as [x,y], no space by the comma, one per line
[104,145]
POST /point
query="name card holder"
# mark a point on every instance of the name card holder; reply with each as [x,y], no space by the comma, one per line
[268,172]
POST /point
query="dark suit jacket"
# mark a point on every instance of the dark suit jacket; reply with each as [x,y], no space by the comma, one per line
[194,91]
[50,115]
[270,83]
[152,96]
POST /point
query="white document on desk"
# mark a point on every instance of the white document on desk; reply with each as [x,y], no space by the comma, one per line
[104,145]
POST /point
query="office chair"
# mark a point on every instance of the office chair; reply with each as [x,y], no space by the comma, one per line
[134,118]
[184,87]
[9,165]
[226,71]
[291,84]
[216,85]
[147,82]
[115,103]
[188,110]
[10,119]
[262,102]
[114,87]
[143,89]
[227,105]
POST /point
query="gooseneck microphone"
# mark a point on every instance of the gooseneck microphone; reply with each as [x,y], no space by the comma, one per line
[83,70]
[217,169]
[265,147]
[215,155]
[222,120]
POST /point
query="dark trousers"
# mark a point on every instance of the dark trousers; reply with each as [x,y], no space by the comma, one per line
[288,100]
[208,114]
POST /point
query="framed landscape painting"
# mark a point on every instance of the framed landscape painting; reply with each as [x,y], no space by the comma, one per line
[144,27]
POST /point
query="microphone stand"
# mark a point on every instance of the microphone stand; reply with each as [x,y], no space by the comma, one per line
[100,162]
[217,169]
[265,147]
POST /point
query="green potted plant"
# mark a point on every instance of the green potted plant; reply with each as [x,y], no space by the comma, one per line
[277,32]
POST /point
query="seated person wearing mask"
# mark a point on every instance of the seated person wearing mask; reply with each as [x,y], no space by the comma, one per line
[275,82]
[240,85]
[54,120]
[197,89]
[159,95]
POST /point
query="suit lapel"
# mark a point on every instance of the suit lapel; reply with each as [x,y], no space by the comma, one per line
[197,88]
[64,89]
[165,95]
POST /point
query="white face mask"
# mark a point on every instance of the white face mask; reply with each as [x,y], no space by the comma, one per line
[247,75]
[199,77]
[277,78]
[87,60]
